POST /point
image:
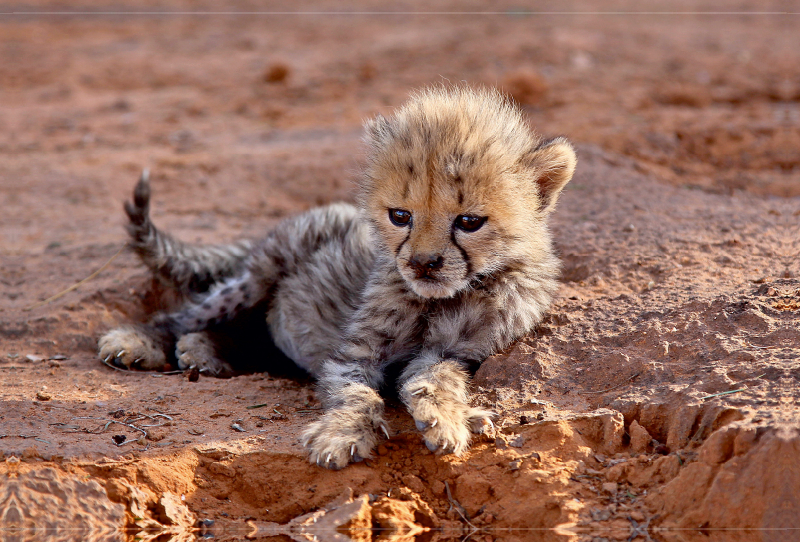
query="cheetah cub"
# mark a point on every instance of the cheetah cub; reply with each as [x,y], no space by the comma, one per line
[446,260]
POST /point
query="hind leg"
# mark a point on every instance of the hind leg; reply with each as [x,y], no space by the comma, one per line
[200,350]
[132,347]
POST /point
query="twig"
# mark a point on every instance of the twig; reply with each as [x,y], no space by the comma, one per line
[455,505]
[108,422]
[153,409]
[77,284]
[262,405]
[722,393]
[34,437]
[612,387]
[151,373]
[641,529]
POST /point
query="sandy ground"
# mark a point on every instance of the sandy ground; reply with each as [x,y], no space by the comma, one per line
[659,397]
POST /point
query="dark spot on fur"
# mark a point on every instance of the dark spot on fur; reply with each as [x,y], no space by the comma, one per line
[460,197]
[410,169]
[243,287]
[546,143]
[469,329]
[226,291]
[206,305]
[487,144]
[427,136]
[332,308]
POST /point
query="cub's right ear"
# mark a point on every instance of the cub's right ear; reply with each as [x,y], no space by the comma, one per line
[553,163]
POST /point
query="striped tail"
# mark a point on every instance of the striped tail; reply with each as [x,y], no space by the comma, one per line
[184,267]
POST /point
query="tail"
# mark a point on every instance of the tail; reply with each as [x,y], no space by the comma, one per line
[184,267]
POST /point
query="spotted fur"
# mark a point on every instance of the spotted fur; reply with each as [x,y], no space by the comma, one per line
[446,260]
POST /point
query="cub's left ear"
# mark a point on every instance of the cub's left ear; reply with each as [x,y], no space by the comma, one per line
[553,163]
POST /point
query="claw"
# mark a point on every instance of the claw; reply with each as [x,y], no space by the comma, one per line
[319,459]
[491,424]
[419,391]
[385,431]
[352,450]
[120,353]
[108,357]
[434,422]
[328,459]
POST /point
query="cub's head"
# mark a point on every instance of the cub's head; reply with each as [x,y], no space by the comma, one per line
[458,188]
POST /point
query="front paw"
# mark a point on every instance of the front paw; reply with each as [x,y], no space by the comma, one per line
[346,434]
[130,347]
[437,400]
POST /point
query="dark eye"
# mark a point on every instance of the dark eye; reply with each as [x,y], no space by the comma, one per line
[399,217]
[469,223]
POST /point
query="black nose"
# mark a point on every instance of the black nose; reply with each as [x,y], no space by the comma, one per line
[424,264]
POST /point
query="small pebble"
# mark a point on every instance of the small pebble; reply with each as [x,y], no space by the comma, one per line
[276,73]
[193,374]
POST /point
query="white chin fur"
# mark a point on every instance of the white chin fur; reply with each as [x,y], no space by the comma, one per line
[431,289]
